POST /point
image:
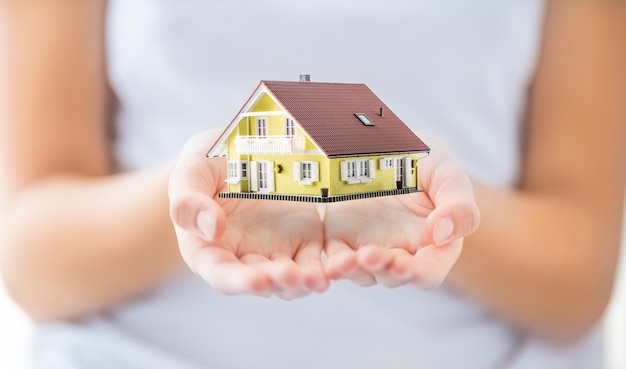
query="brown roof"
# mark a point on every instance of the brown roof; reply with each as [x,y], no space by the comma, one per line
[326,111]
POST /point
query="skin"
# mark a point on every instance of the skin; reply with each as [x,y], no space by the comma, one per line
[525,261]
[61,201]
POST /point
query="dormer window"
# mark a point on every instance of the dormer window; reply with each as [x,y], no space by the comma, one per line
[364,119]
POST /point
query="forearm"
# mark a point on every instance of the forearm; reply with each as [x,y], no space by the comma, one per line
[544,255]
[544,261]
[75,245]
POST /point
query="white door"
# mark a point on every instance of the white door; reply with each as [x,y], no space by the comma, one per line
[400,171]
[266,176]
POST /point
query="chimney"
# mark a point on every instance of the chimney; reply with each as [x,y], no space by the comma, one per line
[305,78]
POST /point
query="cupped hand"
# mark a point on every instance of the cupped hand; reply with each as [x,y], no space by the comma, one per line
[242,246]
[406,239]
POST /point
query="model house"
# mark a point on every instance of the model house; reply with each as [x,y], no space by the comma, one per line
[318,142]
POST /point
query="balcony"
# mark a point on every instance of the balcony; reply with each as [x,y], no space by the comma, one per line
[269,144]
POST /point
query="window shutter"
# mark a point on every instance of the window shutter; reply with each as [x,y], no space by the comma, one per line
[296,171]
[408,179]
[254,176]
[315,171]
[237,171]
[383,163]
[344,170]
[372,169]
[270,176]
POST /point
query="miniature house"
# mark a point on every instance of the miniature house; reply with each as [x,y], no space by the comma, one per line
[318,142]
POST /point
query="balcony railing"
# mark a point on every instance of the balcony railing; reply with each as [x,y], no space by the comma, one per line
[269,144]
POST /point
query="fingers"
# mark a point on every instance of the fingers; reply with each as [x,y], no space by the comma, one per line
[379,263]
[289,278]
[394,267]
[285,279]
[431,264]
[341,263]
[397,267]
[223,271]
[281,275]
[309,259]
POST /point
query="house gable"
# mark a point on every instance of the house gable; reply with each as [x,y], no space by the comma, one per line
[260,105]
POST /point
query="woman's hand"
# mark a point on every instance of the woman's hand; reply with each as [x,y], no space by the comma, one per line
[408,238]
[243,246]
[273,247]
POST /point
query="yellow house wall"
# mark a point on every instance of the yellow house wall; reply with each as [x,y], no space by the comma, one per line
[240,130]
[385,179]
[266,103]
[275,123]
[284,182]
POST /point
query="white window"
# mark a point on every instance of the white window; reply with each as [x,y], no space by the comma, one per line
[244,170]
[237,170]
[261,126]
[234,175]
[386,163]
[351,170]
[364,119]
[357,171]
[306,172]
[364,168]
[290,128]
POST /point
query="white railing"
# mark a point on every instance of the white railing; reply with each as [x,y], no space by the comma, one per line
[269,144]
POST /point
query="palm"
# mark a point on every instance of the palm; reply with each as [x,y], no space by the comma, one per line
[385,222]
[269,230]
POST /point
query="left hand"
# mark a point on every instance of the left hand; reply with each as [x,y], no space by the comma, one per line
[406,239]
[242,246]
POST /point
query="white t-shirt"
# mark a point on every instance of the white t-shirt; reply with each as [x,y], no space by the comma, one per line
[458,69]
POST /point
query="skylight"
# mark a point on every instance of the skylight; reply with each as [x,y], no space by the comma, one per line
[364,119]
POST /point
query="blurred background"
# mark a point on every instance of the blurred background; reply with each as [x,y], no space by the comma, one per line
[15,327]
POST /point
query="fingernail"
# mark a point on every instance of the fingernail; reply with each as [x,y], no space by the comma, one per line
[443,231]
[206,224]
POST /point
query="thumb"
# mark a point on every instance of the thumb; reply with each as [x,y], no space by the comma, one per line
[450,189]
[194,183]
